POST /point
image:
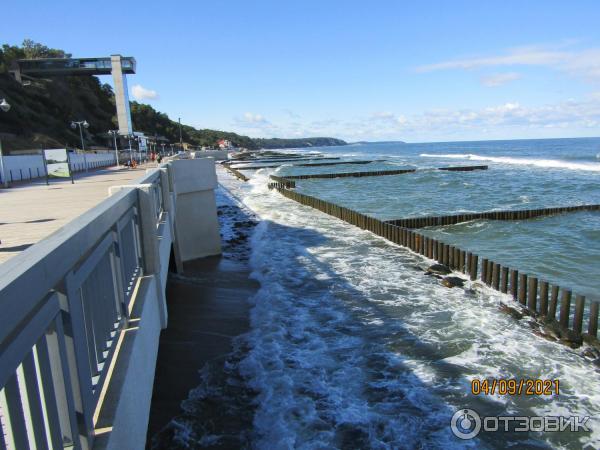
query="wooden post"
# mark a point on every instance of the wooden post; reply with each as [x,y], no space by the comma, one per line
[565,308]
[532,291]
[474,264]
[496,276]
[543,298]
[484,267]
[468,263]
[504,280]
[593,322]
[553,302]
[514,283]
[522,289]
[578,318]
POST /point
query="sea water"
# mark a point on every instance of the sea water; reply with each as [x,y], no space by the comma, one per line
[351,346]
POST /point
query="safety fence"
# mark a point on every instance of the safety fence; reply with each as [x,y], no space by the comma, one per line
[66,305]
[539,297]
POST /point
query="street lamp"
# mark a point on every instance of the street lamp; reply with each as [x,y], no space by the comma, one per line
[131,137]
[5,107]
[114,134]
[82,124]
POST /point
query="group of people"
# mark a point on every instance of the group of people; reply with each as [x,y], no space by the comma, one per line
[154,157]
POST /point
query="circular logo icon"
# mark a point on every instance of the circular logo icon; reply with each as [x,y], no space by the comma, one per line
[465,424]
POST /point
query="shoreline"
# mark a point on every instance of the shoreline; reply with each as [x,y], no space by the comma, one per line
[209,311]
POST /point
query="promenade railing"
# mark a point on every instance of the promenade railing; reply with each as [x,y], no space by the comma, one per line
[65,304]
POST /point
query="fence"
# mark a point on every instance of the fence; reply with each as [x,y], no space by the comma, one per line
[538,296]
[27,167]
[66,305]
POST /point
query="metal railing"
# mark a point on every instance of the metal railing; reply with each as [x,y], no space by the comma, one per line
[65,303]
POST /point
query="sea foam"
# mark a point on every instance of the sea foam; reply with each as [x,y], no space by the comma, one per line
[546,163]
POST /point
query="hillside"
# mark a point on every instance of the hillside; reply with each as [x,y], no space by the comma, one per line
[42,111]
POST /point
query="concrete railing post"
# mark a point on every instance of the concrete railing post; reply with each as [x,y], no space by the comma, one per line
[173,197]
[149,239]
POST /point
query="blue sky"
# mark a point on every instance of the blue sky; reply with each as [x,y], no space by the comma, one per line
[381,70]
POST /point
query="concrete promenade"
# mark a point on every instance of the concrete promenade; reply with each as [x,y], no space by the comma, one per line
[30,212]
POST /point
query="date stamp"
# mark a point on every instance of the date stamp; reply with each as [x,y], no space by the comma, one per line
[514,386]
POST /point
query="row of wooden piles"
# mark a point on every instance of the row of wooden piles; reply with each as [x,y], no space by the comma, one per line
[538,296]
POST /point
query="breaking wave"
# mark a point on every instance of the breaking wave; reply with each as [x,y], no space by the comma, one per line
[546,163]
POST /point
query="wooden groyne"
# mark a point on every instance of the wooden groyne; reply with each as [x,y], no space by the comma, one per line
[431,221]
[376,173]
[551,304]
[236,173]
[463,168]
[281,182]
[277,160]
[312,165]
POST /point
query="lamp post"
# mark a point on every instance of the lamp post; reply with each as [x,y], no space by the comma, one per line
[5,107]
[114,134]
[180,135]
[81,124]
[130,138]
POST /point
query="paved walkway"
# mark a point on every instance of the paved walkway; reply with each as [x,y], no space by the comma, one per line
[30,212]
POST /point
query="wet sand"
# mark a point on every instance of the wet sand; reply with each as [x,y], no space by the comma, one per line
[208,307]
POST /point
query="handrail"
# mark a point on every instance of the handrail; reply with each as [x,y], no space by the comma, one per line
[65,301]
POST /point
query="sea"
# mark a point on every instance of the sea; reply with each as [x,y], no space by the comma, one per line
[353,346]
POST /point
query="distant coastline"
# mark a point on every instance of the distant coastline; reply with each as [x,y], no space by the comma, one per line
[276,143]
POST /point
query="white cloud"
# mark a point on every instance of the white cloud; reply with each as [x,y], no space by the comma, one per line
[505,120]
[254,118]
[382,115]
[499,79]
[141,93]
[581,63]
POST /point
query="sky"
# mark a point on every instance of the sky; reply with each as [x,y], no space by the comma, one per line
[416,71]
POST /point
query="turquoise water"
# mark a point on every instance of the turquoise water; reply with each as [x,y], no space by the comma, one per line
[522,175]
[352,346]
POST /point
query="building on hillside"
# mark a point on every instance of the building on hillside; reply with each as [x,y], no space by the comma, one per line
[224,143]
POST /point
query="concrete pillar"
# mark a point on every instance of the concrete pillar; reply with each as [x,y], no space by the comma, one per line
[121,95]
[196,223]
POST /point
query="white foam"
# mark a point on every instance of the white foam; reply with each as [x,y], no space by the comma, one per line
[546,163]
[346,334]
